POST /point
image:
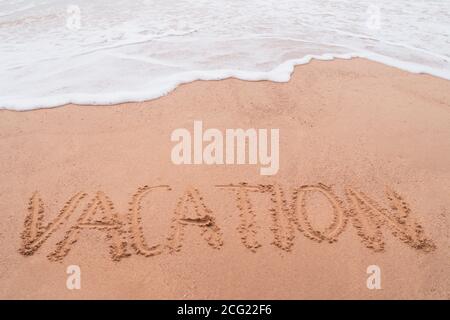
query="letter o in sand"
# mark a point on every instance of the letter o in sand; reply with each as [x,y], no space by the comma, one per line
[331,233]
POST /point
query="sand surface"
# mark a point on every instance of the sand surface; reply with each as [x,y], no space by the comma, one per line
[364,179]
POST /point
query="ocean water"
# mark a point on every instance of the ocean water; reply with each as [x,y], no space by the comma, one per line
[54,52]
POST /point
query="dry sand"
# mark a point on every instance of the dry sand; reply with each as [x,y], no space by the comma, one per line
[364,180]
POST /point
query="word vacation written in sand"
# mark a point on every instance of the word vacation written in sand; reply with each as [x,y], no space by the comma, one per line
[288,212]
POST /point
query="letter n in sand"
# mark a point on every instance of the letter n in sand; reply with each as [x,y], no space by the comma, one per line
[368,217]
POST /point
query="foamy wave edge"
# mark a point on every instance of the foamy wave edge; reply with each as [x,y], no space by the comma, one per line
[281,73]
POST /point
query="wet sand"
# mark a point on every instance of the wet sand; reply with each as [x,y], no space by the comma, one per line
[364,179]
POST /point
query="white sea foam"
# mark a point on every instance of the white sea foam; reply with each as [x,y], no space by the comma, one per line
[137,50]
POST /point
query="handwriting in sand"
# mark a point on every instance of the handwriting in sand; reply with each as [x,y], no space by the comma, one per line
[289,213]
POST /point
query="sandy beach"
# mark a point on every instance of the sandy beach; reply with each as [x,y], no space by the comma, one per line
[363,179]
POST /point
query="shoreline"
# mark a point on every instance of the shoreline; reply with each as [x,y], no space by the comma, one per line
[364,150]
[271,76]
